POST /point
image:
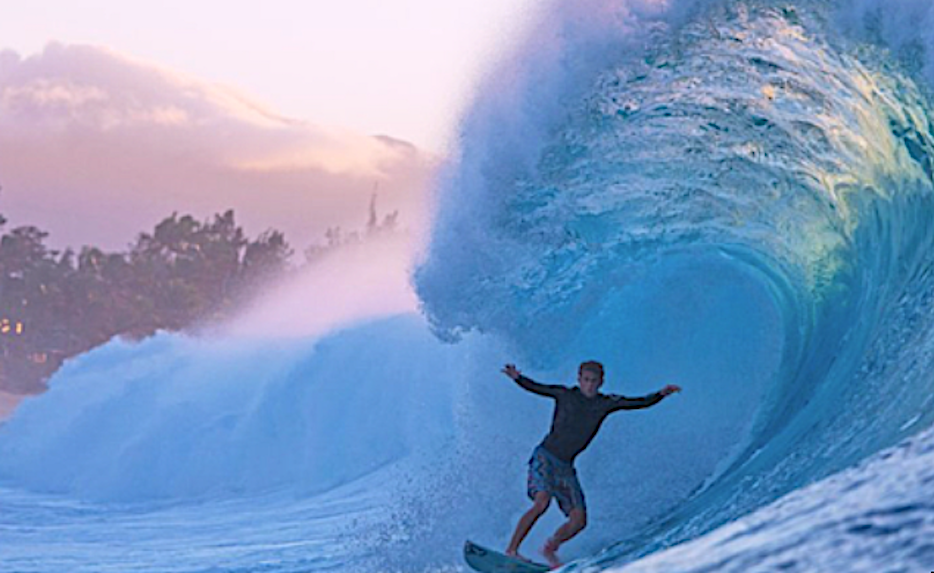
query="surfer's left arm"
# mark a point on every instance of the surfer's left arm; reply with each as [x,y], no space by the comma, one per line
[624,403]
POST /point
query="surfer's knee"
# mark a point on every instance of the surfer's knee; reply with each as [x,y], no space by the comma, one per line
[578,519]
[541,502]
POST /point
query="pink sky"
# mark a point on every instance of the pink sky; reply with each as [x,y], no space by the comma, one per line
[400,67]
[115,114]
[96,147]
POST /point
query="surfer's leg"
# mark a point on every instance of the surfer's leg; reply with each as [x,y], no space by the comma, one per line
[573,504]
[577,521]
[539,506]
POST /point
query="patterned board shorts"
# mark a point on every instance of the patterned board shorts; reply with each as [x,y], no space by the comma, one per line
[556,477]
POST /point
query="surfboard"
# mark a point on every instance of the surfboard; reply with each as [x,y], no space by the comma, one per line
[485,560]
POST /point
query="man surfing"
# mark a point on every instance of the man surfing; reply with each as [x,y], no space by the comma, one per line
[578,414]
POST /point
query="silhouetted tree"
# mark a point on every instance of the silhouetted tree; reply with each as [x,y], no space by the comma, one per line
[183,273]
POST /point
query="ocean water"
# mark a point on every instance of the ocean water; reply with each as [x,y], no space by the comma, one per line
[734,196]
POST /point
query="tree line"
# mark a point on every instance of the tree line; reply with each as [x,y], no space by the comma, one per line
[186,272]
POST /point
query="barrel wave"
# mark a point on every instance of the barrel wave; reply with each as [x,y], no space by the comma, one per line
[752,140]
[732,196]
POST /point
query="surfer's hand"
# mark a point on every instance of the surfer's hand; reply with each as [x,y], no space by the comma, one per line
[510,370]
[670,389]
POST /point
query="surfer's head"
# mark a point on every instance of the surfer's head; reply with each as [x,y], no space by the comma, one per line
[590,377]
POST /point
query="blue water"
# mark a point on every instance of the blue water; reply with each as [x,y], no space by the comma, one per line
[732,196]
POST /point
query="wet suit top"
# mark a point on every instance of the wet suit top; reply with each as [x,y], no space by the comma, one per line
[577,417]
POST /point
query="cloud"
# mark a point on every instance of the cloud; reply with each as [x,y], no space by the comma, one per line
[96,147]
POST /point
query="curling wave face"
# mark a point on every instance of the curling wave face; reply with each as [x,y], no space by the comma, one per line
[752,137]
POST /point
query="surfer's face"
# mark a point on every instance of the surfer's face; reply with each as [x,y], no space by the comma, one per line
[589,382]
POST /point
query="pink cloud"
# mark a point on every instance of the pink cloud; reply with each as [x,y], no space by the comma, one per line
[96,147]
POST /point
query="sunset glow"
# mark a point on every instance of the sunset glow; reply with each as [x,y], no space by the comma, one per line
[401,68]
[200,107]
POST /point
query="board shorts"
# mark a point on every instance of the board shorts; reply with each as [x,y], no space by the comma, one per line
[556,477]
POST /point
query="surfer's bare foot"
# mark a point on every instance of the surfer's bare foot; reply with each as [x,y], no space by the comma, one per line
[516,555]
[550,552]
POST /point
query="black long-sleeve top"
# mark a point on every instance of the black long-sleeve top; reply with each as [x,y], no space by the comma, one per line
[577,418]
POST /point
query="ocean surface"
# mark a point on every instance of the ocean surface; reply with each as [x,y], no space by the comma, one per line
[733,196]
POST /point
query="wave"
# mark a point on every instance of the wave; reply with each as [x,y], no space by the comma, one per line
[751,139]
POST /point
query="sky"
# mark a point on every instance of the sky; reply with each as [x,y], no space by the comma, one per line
[403,68]
[129,111]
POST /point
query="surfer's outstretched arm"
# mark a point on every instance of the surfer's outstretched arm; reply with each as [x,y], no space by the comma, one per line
[526,383]
[624,403]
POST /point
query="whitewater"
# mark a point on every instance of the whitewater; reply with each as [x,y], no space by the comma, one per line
[732,196]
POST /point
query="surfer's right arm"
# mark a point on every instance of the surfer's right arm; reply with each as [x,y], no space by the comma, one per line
[549,390]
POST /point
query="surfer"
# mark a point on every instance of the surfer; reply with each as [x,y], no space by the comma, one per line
[578,414]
